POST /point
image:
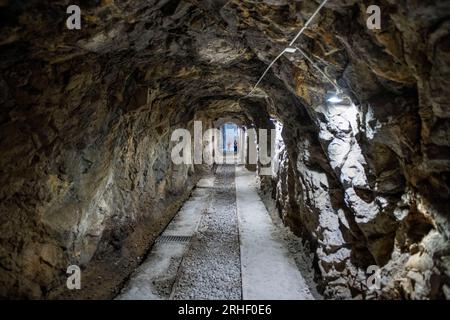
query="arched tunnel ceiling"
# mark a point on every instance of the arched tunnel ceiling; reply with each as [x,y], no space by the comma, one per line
[86,118]
[221,48]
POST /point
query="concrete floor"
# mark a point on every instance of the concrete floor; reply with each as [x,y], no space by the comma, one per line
[230,248]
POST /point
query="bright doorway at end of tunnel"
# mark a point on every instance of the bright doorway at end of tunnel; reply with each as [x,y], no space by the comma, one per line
[230,138]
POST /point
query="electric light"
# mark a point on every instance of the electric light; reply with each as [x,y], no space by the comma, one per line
[290,50]
[334,99]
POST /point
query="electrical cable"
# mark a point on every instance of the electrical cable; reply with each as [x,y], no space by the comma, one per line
[291,43]
[318,69]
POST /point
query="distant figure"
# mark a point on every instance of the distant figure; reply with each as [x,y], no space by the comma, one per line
[229,147]
[235,146]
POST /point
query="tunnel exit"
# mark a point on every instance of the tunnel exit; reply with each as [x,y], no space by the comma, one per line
[230,138]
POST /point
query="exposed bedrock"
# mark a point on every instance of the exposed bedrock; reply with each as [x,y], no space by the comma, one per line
[87,116]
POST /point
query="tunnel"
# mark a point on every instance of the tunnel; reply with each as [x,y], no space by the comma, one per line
[212,149]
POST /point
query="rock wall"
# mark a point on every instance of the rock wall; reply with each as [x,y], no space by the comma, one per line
[366,191]
[86,174]
[86,119]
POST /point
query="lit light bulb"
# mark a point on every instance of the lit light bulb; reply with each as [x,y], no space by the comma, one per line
[290,50]
[335,99]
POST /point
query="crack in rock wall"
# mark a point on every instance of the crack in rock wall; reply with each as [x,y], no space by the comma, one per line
[86,119]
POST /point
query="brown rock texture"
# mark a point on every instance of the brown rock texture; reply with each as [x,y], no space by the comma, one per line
[87,116]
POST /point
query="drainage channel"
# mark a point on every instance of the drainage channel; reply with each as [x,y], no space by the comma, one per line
[172,238]
[155,277]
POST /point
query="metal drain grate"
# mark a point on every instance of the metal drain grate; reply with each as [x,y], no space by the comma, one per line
[174,239]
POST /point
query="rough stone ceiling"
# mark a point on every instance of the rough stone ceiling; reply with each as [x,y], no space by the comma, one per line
[223,46]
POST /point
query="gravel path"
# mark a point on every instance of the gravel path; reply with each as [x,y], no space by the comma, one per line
[211,267]
[238,249]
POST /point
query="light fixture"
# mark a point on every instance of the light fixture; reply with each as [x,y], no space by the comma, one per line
[334,99]
[290,50]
